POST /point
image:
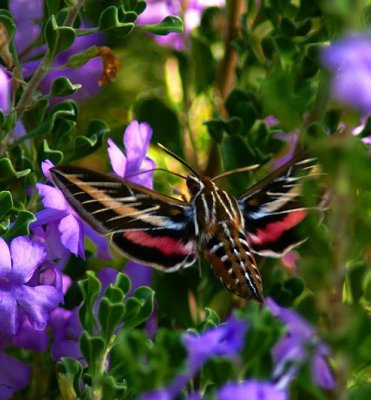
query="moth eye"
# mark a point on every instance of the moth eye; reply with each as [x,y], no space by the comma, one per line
[193,185]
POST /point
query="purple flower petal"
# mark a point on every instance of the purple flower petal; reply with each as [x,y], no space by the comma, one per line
[160,394]
[37,302]
[67,329]
[350,61]
[14,376]
[140,275]
[136,140]
[5,261]
[71,231]
[224,340]
[30,338]
[51,197]
[8,313]
[26,255]
[4,90]
[117,158]
[322,374]
[251,390]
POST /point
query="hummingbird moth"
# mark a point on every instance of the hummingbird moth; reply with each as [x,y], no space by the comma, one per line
[167,233]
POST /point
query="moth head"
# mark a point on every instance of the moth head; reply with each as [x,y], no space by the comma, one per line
[194,184]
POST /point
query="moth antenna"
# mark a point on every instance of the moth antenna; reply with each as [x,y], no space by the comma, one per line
[166,150]
[154,170]
[235,171]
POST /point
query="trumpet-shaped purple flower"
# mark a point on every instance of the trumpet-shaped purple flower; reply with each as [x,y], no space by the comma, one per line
[252,390]
[349,60]
[300,345]
[60,227]
[137,137]
[29,288]
[14,376]
[225,340]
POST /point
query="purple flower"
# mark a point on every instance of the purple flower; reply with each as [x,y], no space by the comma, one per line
[28,290]
[14,376]
[225,340]
[300,345]
[26,15]
[349,60]
[67,329]
[63,228]
[252,390]
[136,139]
[190,12]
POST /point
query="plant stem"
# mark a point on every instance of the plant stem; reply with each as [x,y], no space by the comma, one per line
[226,73]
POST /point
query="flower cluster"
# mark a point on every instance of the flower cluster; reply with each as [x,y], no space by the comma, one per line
[31,284]
[301,345]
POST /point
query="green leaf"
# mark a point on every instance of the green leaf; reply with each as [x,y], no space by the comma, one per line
[2,118]
[211,320]
[111,388]
[58,38]
[46,153]
[204,63]
[110,316]
[356,279]
[295,286]
[20,227]
[7,20]
[172,296]
[8,173]
[123,282]
[92,348]
[144,295]
[6,203]
[62,86]
[116,20]
[216,128]
[80,59]
[167,25]
[92,141]
[90,289]
[69,373]
[163,119]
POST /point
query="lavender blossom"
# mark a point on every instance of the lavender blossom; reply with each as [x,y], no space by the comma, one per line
[252,390]
[14,376]
[63,228]
[225,340]
[28,291]
[349,60]
[300,345]
[136,139]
